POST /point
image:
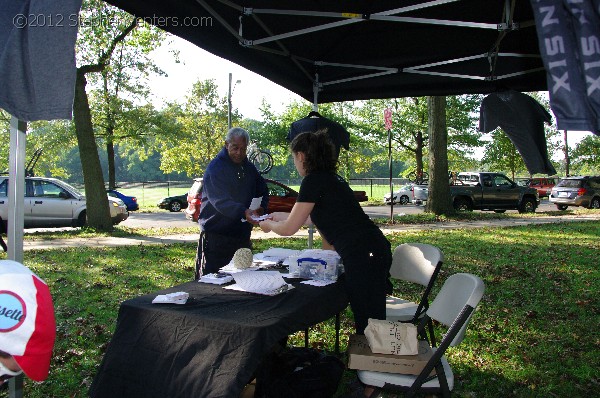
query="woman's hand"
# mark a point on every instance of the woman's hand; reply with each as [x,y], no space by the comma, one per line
[279,216]
[265,225]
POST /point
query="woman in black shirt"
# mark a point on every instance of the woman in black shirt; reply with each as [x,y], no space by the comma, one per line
[326,200]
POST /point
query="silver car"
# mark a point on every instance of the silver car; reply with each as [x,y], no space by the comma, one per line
[577,191]
[403,196]
[53,203]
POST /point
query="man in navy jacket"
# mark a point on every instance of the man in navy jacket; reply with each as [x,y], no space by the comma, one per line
[230,183]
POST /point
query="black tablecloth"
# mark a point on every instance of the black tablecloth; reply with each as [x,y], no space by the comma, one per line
[208,347]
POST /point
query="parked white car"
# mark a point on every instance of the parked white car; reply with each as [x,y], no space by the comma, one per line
[53,203]
[420,194]
[403,196]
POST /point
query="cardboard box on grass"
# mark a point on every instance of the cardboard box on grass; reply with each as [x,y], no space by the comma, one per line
[361,357]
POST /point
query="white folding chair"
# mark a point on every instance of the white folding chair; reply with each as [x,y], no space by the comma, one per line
[417,263]
[452,307]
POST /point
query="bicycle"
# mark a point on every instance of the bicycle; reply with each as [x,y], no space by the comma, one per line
[261,159]
[418,177]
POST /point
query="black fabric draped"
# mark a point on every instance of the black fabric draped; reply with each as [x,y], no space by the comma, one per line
[208,347]
[522,119]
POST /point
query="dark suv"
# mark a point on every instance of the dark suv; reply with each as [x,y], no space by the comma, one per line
[577,191]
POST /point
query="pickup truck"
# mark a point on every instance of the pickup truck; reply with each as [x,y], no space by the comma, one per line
[493,191]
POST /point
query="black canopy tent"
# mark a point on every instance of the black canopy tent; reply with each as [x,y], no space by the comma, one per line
[338,50]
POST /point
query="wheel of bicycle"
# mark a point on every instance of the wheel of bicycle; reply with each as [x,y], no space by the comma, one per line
[263,161]
[413,178]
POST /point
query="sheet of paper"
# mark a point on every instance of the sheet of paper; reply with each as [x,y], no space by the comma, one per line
[255,204]
[237,288]
[263,282]
[230,269]
[261,218]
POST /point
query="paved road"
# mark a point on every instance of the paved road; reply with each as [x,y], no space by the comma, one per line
[177,220]
[166,219]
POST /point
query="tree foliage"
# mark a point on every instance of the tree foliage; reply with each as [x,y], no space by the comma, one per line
[586,156]
[196,130]
[50,136]
[121,85]
[410,128]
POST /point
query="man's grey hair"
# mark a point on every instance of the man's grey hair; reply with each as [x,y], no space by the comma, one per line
[237,132]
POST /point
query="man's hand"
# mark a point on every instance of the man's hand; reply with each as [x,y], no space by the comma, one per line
[250,215]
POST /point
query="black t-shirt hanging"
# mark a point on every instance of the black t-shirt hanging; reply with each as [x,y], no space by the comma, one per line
[522,119]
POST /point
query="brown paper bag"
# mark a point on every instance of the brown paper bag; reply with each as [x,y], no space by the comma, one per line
[387,337]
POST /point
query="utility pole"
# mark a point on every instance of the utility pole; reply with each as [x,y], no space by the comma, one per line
[229,100]
[566,151]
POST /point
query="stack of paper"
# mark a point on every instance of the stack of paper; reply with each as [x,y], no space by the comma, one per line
[217,279]
[171,298]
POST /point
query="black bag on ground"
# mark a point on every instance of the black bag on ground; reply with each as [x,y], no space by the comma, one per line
[298,373]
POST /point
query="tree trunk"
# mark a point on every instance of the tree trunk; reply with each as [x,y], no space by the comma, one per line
[110,130]
[110,154]
[439,201]
[419,152]
[98,214]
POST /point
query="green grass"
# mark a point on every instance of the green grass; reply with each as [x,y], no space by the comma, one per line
[149,194]
[535,333]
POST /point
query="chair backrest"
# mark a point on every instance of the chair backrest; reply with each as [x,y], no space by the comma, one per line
[415,262]
[458,298]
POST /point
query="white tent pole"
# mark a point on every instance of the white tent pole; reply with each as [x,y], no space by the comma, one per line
[16,193]
[311,228]
[16,189]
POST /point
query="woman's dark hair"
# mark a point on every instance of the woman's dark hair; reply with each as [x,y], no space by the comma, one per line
[318,149]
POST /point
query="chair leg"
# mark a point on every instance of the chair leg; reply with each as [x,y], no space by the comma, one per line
[443,381]
[15,386]
[431,334]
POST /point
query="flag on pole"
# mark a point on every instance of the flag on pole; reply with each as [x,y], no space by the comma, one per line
[387,116]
